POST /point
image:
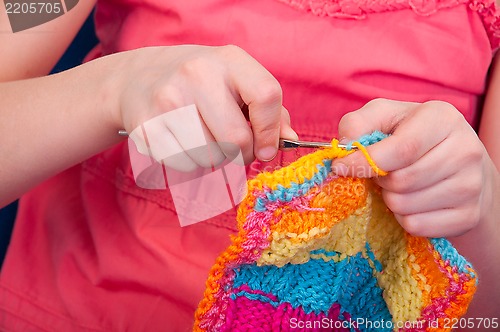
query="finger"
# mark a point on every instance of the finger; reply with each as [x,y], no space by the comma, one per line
[286,130]
[440,223]
[194,137]
[264,107]
[451,193]
[262,93]
[164,146]
[407,144]
[225,121]
[379,114]
[435,166]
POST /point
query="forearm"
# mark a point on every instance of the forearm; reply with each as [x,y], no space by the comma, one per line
[22,58]
[51,123]
[490,118]
[481,245]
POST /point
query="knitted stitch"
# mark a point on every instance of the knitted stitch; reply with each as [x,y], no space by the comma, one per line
[315,251]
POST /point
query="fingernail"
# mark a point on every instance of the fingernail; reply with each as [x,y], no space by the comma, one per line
[339,169]
[267,153]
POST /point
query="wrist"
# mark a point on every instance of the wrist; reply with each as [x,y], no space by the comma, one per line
[111,69]
[490,201]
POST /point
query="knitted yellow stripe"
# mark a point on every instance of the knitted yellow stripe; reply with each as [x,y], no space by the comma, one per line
[297,172]
[305,168]
[388,243]
[335,201]
[296,233]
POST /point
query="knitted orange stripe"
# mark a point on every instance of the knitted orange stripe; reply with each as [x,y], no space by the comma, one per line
[283,177]
[429,277]
[334,210]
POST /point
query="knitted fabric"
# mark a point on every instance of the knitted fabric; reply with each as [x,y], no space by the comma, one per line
[319,252]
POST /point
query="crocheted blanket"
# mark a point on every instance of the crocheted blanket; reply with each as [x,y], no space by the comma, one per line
[319,252]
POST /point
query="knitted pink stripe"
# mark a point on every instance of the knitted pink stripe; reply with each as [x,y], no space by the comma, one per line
[248,315]
[438,306]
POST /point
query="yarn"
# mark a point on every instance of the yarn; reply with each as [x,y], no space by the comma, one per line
[315,251]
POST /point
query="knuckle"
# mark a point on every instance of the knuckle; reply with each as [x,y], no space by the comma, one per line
[167,97]
[475,216]
[194,67]
[231,49]
[474,155]
[241,138]
[400,181]
[470,218]
[394,202]
[351,124]
[407,150]
[350,118]
[411,224]
[447,111]
[472,188]
[378,102]
[268,91]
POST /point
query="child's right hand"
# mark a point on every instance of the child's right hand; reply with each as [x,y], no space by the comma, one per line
[77,113]
[218,81]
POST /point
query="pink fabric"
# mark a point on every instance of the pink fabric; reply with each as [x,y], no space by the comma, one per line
[93,252]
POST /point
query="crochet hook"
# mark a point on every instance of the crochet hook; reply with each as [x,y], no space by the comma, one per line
[288,143]
[291,144]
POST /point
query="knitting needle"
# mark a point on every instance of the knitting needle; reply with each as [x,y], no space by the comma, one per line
[288,143]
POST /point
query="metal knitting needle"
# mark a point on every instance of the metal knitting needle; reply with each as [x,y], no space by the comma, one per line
[287,143]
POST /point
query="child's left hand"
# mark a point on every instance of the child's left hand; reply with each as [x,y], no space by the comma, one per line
[441,179]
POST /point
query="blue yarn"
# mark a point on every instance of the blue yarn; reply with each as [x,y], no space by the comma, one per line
[317,285]
[369,139]
[257,297]
[371,255]
[284,194]
[325,253]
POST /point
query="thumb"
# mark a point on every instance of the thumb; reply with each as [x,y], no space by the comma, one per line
[360,164]
[286,130]
[406,122]
[377,115]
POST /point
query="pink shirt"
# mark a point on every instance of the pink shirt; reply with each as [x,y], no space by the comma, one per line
[91,251]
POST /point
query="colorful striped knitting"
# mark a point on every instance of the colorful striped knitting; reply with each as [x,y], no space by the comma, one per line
[319,252]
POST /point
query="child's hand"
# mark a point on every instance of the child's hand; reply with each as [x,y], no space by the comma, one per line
[218,81]
[440,180]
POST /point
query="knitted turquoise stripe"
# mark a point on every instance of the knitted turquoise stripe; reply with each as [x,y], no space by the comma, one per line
[284,194]
[369,139]
[255,297]
[316,285]
[449,253]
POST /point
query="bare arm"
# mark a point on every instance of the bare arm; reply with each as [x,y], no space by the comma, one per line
[481,245]
[35,51]
[51,123]
[490,121]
